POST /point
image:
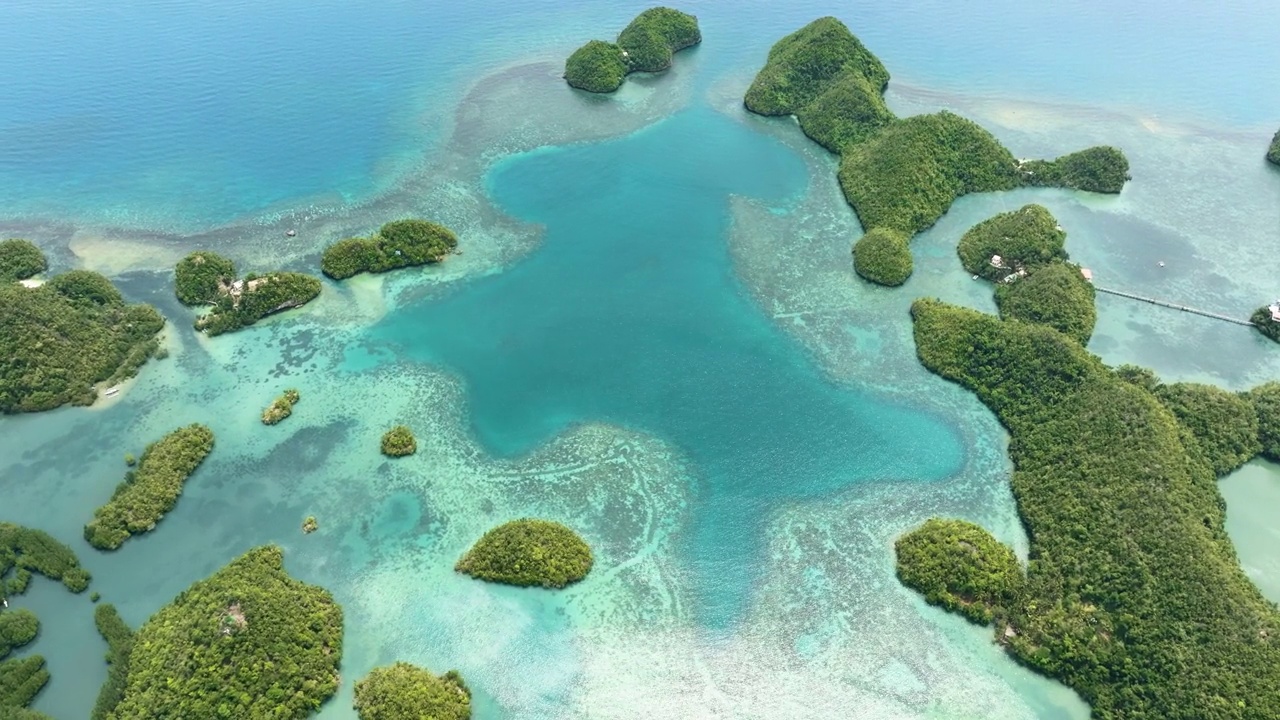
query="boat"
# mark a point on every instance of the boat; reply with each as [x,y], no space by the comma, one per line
[111,390]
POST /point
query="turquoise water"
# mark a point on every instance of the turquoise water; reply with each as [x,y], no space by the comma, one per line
[654,333]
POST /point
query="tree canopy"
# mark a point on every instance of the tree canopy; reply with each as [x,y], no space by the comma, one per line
[150,491]
[407,692]
[1054,294]
[883,257]
[1266,402]
[398,442]
[397,244]
[596,67]
[17,628]
[528,552]
[646,44]
[1224,424]
[248,642]
[60,339]
[201,276]
[280,408]
[119,639]
[1027,236]
[20,259]
[958,566]
[26,550]
[1273,152]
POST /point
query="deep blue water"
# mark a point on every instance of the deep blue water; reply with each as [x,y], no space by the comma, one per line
[630,314]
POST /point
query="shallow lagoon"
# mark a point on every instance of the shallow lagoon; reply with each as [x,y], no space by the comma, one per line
[743,520]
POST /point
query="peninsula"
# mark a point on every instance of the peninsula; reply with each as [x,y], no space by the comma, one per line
[527,553]
[206,278]
[248,642]
[901,173]
[63,337]
[397,244]
[648,44]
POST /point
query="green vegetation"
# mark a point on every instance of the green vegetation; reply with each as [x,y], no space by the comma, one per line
[397,244]
[900,174]
[17,628]
[119,645]
[883,257]
[28,551]
[1261,320]
[528,552]
[152,490]
[1224,424]
[21,679]
[280,408]
[201,277]
[1101,169]
[248,642]
[1024,237]
[1273,153]
[398,442]
[647,44]
[310,525]
[407,692]
[19,260]
[596,67]
[958,566]
[1134,595]
[208,278]
[63,337]
[15,713]
[908,174]
[1266,402]
[1056,295]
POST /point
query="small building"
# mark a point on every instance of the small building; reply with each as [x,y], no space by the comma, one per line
[997,261]
[1275,311]
[1087,273]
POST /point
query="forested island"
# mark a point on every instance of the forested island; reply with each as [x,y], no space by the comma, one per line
[883,257]
[1134,596]
[647,44]
[407,692]
[24,551]
[152,490]
[207,278]
[397,244]
[281,407]
[901,173]
[1273,153]
[63,337]
[248,642]
[1267,320]
[398,442]
[527,553]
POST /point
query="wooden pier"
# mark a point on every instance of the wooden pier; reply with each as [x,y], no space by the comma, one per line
[1175,306]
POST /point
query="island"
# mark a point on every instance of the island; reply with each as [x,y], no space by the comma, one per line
[64,337]
[1133,596]
[397,244]
[398,442]
[24,551]
[526,553]
[1267,321]
[248,642]
[958,566]
[281,407]
[310,525]
[407,692]
[901,173]
[648,44]
[119,637]
[20,260]
[151,490]
[1273,152]
[207,278]
[882,256]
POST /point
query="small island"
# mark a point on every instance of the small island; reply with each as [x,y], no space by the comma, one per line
[1267,321]
[882,256]
[206,278]
[310,525]
[189,660]
[20,260]
[647,44]
[528,552]
[64,337]
[1273,153]
[397,244]
[399,442]
[407,692]
[152,490]
[1003,244]
[958,566]
[901,174]
[281,407]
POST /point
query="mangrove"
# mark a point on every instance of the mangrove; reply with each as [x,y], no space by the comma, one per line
[206,278]
[150,491]
[528,552]
[119,639]
[647,44]
[900,173]
[25,551]
[1133,595]
[406,692]
[248,642]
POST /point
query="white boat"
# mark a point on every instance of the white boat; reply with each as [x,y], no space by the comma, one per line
[111,391]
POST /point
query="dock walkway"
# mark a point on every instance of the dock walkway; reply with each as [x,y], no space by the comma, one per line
[1175,306]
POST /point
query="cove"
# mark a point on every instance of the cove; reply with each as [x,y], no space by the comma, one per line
[630,313]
